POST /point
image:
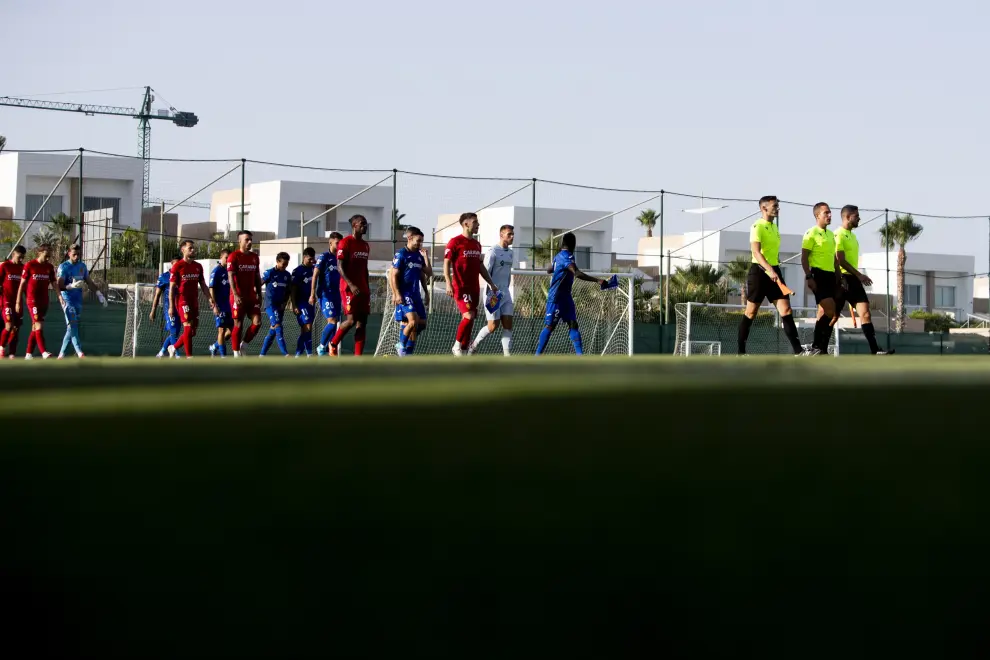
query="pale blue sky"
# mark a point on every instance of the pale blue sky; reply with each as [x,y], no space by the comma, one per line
[878,103]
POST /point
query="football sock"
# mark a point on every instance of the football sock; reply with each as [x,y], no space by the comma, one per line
[790,331]
[328,333]
[484,332]
[280,338]
[576,340]
[359,336]
[235,338]
[267,343]
[544,338]
[187,339]
[251,332]
[744,325]
[506,341]
[871,337]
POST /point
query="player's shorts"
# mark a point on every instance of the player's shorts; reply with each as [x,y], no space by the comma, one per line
[72,311]
[224,319]
[306,314]
[188,313]
[11,316]
[852,291]
[274,315]
[504,309]
[248,308]
[330,306]
[825,284]
[760,287]
[562,310]
[38,311]
[467,301]
[411,304]
[357,305]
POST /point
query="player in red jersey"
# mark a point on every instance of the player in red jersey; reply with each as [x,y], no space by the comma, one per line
[10,277]
[244,273]
[352,261]
[38,275]
[187,276]
[463,257]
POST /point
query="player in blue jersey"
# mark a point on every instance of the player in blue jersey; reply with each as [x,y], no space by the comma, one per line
[72,275]
[302,289]
[220,290]
[277,281]
[326,292]
[560,304]
[409,271]
[173,326]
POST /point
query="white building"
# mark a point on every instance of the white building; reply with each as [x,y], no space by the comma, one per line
[279,208]
[594,243]
[108,183]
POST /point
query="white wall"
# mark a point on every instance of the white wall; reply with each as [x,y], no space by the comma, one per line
[9,181]
[948,269]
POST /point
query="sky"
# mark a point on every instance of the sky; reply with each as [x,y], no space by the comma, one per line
[878,103]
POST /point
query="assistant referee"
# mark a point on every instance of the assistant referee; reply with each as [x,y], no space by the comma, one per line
[853,289]
[818,261]
[764,277]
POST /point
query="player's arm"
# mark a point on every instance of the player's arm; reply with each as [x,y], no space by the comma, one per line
[342,263]
[154,303]
[581,276]
[806,265]
[446,275]
[487,277]
[427,263]
[20,290]
[756,247]
[232,278]
[393,283]
[840,260]
[424,279]
[95,289]
[173,289]
[208,292]
[317,280]
[257,285]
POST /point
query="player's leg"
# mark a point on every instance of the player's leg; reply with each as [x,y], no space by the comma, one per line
[507,310]
[189,322]
[273,323]
[494,320]
[466,304]
[360,331]
[12,334]
[824,296]
[8,326]
[280,334]
[39,334]
[70,322]
[419,310]
[237,314]
[756,290]
[550,319]
[252,330]
[783,304]
[345,327]
[569,314]
[331,312]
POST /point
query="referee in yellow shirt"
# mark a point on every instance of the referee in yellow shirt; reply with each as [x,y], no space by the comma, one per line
[853,289]
[818,261]
[764,278]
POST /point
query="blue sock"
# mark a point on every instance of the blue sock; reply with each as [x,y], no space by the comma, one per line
[300,343]
[544,338]
[169,340]
[403,339]
[308,342]
[222,348]
[265,345]
[280,336]
[328,333]
[410,346]
[66,339]
[576,340]
[175,337]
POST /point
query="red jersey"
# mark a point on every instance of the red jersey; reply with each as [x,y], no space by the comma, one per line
[352,258]
[465,255]
[39,278]
[10,275]
[186,276]
[243,269]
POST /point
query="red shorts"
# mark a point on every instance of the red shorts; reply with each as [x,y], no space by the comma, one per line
[467,301]
[188,313]
[10,315]
[356,305]
[38,310]
[249,308]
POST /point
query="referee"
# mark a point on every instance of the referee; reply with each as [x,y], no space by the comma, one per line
[853,281]
[764,278]
[818,261]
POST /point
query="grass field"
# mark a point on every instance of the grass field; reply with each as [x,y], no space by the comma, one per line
[490,507]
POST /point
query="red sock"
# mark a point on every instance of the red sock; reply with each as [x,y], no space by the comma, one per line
[235,338]
[464,332]
[251,332]
[359,336]
[339,337]
[3,337]
[187,335]
[39,339]
[30,346]
[12,340]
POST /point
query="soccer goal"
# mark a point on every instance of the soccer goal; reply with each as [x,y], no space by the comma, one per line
[605,319]
[705,329]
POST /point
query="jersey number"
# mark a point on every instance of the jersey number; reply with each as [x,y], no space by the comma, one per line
[185,309]
[466,297]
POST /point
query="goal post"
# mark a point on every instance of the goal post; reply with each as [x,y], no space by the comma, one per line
[605,318]
[712,329]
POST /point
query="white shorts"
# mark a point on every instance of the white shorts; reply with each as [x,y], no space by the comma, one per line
[505,309]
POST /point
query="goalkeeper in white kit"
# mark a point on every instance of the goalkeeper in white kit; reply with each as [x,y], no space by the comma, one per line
[498,261]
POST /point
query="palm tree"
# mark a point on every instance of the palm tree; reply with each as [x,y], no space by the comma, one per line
[737,271]
[3,143]
[899,233]
[648,218]
[57,234]
[698,282]
[543,252]
[397,221]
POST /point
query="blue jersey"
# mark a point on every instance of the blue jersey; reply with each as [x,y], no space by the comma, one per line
[328,284]
[302,280]
[410,265]
[164,284]
[276,286]
[72,272]
[562,278]
[220,284]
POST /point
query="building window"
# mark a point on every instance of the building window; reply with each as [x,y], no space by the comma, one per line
[582,257]
[292,228]
[912,295]
[945,296]
[34,202]
[98,203]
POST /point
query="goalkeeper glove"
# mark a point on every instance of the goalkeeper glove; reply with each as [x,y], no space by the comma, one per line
[101,298]
[77,284]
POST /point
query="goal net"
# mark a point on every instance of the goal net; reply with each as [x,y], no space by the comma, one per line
[605,319]
[143,337]
[706,329]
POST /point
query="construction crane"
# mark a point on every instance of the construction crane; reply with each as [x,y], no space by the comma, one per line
[144,117]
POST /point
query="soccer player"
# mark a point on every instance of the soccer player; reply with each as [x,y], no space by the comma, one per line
[38,275]
[72,274]
[853,289]
[352,258]
[173,326]
[187,275]
[245,291]
[302,287]
[498,261]
[818,261]
[560,304]
[409,272]
[10,278]
[461,269]
[326,290]
[764,278]
[219,285]
[277,281]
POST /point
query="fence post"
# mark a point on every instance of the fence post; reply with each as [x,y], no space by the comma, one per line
[666,303]
[886,228]
[81,198]
[395,207]
[988,284]
[663,315]
[243,167]
[532,284]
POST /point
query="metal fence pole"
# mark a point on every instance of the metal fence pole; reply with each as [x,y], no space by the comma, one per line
[81,198]
[395,207]
[663,315]
[243,167]
[666,305]
[532,293]
[886,228]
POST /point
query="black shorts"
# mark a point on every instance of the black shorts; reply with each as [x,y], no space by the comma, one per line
[852,291]
[760,286]
[825,284]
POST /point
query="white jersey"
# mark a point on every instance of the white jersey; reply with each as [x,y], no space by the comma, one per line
[498,261]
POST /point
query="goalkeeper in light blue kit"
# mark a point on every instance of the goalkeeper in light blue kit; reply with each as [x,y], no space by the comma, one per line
[277,281]
[72,275]
[560,303]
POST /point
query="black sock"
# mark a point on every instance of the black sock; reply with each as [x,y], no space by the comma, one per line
[871,337]
[823,330]
[790,331]
[744,326]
